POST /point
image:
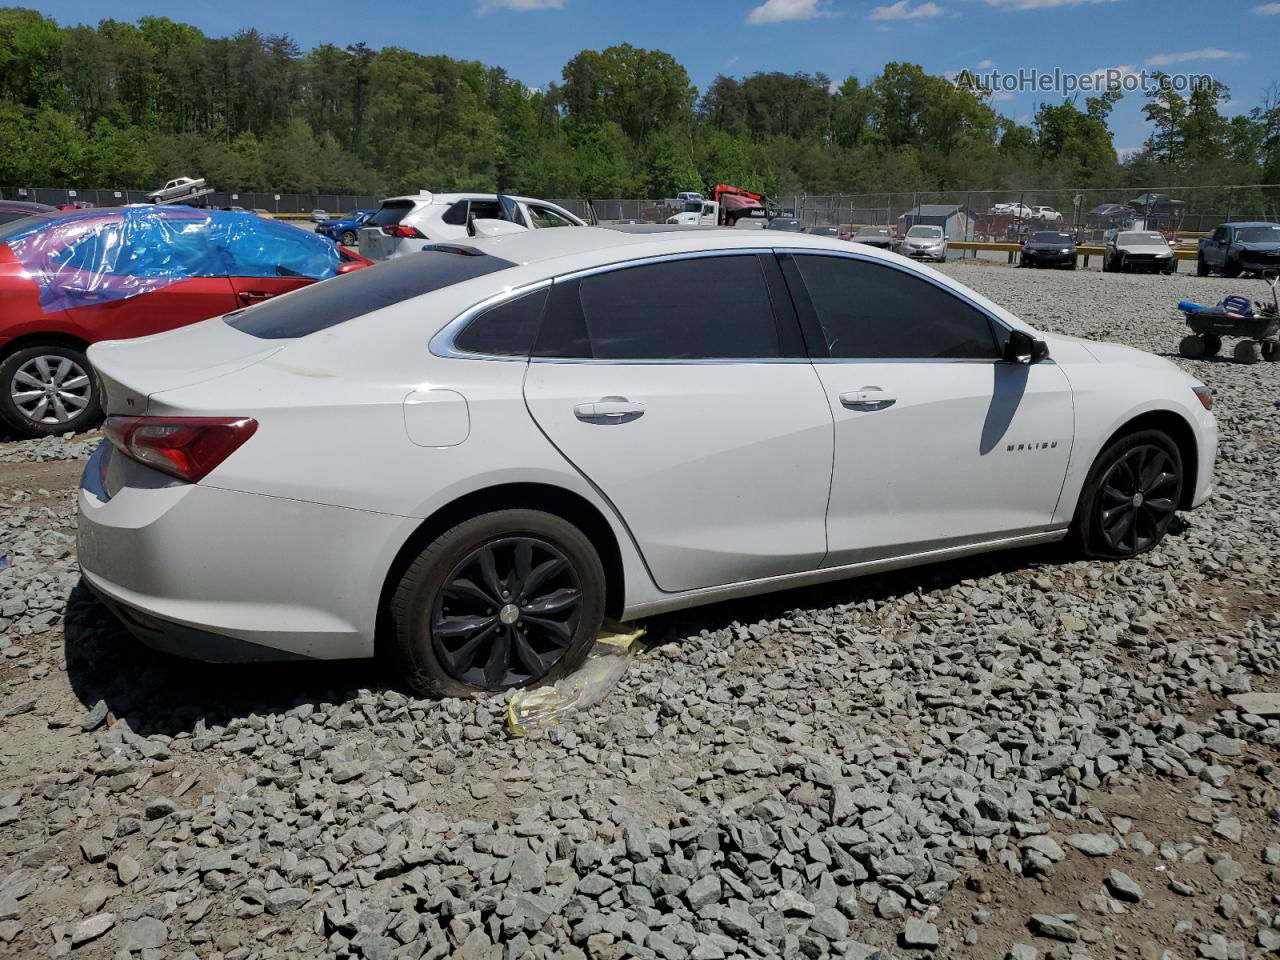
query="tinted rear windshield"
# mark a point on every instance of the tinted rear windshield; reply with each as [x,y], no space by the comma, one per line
[330,302]
[390,213]
[1050,238]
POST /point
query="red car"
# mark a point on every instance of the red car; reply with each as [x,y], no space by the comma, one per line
[69,280]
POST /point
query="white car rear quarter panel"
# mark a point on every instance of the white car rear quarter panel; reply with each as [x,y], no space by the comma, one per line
[295,576]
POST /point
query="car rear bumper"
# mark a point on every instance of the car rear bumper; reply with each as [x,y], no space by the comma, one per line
[219,575]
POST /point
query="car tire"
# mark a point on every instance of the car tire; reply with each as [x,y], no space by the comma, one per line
[1137,478]
[1231,269]
[1248,351]
[1202,268]
[488,645]
[38,368]
[348,238]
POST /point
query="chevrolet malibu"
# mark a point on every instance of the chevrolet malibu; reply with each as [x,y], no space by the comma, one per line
[472,454]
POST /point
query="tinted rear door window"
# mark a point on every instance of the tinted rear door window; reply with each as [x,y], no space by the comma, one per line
[335,301]
[695,309]
[870,311]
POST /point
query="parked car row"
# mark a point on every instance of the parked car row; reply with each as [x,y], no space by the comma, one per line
[1021,211]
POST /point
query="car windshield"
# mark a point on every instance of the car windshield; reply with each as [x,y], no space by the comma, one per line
[1267,234]
[874,232]
[1140,238]
[351,295]
[1048,236]
[926,232]
[785,223]
[825,230]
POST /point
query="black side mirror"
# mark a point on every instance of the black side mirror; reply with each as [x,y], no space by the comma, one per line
[1024,348]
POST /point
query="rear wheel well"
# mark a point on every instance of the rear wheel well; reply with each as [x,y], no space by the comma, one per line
[1184,438]
[569,506]
[43,340]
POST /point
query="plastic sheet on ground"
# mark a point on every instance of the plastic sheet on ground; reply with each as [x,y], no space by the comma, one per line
[531,712]
[100,255]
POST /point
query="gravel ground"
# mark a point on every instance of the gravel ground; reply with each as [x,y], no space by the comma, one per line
[1019,755]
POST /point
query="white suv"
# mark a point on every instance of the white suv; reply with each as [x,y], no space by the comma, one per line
[403,224]
[1046,214]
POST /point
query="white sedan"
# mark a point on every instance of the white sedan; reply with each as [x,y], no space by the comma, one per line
[477,452]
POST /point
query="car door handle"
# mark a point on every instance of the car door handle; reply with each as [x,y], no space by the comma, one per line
[254,296]
[609,410]
[868,398]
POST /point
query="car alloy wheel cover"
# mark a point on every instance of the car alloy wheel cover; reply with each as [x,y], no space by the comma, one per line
[1137,499]
[51,389]
[507,613]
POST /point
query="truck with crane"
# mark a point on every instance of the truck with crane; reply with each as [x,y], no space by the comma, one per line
[727,205]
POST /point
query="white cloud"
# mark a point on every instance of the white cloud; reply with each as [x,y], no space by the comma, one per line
[779,11]
[1267,9]
[1116,73]
[1001,96]
[902,10]
[1039,4]
[1124,153]
[1186,56]
[986,64]
[520,6]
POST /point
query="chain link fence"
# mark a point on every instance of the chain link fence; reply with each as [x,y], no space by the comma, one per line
[1011,214]
[271,202]
[963,214]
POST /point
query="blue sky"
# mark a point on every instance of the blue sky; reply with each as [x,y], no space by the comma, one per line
[1233,40]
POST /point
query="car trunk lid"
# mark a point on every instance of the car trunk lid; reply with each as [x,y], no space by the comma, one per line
[130,372]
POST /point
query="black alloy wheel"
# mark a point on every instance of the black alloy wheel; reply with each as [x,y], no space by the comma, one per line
[1137,497]
[507,613]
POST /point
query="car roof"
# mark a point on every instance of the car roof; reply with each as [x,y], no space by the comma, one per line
[1251,223]
[432,198]
[26,206]
[602,245]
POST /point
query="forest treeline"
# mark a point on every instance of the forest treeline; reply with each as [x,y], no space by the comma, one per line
[131,104]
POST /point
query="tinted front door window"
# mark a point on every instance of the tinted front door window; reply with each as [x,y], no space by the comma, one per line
[870,311]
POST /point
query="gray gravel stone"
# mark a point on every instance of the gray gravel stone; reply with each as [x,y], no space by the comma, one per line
[1123,887]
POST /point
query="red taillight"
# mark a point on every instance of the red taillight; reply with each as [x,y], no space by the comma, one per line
[400,230]
[183,447]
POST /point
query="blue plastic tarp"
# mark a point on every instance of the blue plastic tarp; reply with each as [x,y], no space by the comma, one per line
[93,256]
